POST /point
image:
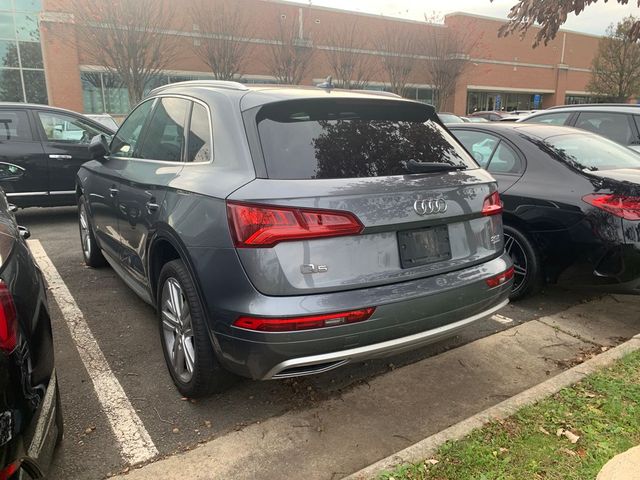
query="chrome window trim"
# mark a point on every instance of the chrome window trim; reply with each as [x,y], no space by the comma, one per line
[162,162]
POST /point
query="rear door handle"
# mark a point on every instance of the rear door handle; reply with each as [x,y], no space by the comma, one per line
[113,191]
[61,157]
[152,206]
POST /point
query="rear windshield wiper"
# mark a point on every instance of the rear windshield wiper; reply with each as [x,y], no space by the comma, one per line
[413,166]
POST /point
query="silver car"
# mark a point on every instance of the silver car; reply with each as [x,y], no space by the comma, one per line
[288,231]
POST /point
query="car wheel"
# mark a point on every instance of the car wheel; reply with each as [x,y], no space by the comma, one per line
[527,278]
[90,251]
[184,334]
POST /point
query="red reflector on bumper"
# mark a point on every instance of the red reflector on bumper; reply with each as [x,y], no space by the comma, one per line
[268,324]
[500,278]
[9,471]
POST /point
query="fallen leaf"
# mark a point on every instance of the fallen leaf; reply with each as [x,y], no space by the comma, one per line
[432,461]
[176,430]
[571,453]
[572,437]
[544,430]
[503,450]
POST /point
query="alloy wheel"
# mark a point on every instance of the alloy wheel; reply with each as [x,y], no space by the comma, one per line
[177,330]
[520,261]
[85,234]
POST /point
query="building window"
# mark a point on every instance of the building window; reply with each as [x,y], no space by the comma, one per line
[505,101]
[22,77]
[582,99]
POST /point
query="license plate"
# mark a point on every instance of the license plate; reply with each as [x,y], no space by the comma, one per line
[424,246]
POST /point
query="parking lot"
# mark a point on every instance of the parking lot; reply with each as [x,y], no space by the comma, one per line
[125,331]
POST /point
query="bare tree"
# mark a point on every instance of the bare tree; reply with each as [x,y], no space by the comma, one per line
[351,67]
[127,37]
[550,15]
[225,28]
[290,55]
[397,45]
[616,66]
[448,52]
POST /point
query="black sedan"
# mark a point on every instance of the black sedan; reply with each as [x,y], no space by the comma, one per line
[571,204]
[30,416]
[41,150]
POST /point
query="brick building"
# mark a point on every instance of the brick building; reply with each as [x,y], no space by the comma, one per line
[40,62]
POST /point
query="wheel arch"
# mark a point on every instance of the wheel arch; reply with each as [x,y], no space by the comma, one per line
[165,246]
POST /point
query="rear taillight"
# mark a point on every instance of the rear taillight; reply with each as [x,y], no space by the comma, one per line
[291,324]
[499,279]
[254,225]
[8,320]
[618,205]
[10,470]
[492,205]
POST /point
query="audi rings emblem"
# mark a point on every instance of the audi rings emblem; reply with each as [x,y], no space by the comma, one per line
[430,206]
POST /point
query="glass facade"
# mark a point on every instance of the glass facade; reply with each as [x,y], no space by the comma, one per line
[21,69]
[582,99]
[507,101]
[104,92]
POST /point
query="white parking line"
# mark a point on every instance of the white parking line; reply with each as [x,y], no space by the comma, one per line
[134,441]
[501,319]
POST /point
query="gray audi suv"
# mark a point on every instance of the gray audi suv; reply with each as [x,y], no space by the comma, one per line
[283,231]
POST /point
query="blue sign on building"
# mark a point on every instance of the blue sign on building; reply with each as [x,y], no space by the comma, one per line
[498,102]
[537,100]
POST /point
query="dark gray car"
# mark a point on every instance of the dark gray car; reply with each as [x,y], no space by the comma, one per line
[287,231]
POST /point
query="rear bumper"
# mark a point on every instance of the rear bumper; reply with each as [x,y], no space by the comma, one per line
[321,363]
[407,315]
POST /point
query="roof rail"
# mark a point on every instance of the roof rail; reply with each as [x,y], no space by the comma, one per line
[202,83]
[595,105]
[380,93]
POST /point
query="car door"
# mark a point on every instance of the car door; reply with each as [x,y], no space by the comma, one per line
[103,183]
[146,178]
[22,159]
[65,139]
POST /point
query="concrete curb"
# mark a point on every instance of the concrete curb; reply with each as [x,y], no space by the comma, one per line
[427,447]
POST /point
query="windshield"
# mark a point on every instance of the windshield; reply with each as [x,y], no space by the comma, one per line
[318,139]
[591,152]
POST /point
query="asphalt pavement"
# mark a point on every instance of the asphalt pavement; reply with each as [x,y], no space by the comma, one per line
[125,331]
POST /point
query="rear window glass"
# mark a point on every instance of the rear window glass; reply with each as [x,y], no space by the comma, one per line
[14,126]
[588,152]
[351,139]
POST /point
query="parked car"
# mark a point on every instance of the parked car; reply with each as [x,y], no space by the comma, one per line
[30,415]
[103,119]
[476,119]
[492,116]
[41,150]
[618,122]
[571,204]
[447,118]
[288,231]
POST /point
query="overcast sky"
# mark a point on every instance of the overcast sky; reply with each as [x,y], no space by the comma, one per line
[595,19]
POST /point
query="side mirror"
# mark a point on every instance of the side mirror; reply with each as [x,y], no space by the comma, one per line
[24,232]
[99,147]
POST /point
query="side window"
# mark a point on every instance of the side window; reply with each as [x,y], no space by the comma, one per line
[505,160]
[558,118]
[66,129]
[614,126]
[200,143]
[480,145]
[164,136]
[125,141]
[14,126]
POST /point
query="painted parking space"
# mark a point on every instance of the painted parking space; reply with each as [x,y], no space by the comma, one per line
[125,330]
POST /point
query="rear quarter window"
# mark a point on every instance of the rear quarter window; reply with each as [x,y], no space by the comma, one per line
[322,139]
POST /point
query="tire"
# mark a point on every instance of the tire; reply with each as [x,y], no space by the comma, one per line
[184,335]
[90,250]
[526,262]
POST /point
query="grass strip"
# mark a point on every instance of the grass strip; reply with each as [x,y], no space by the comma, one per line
[603,410]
